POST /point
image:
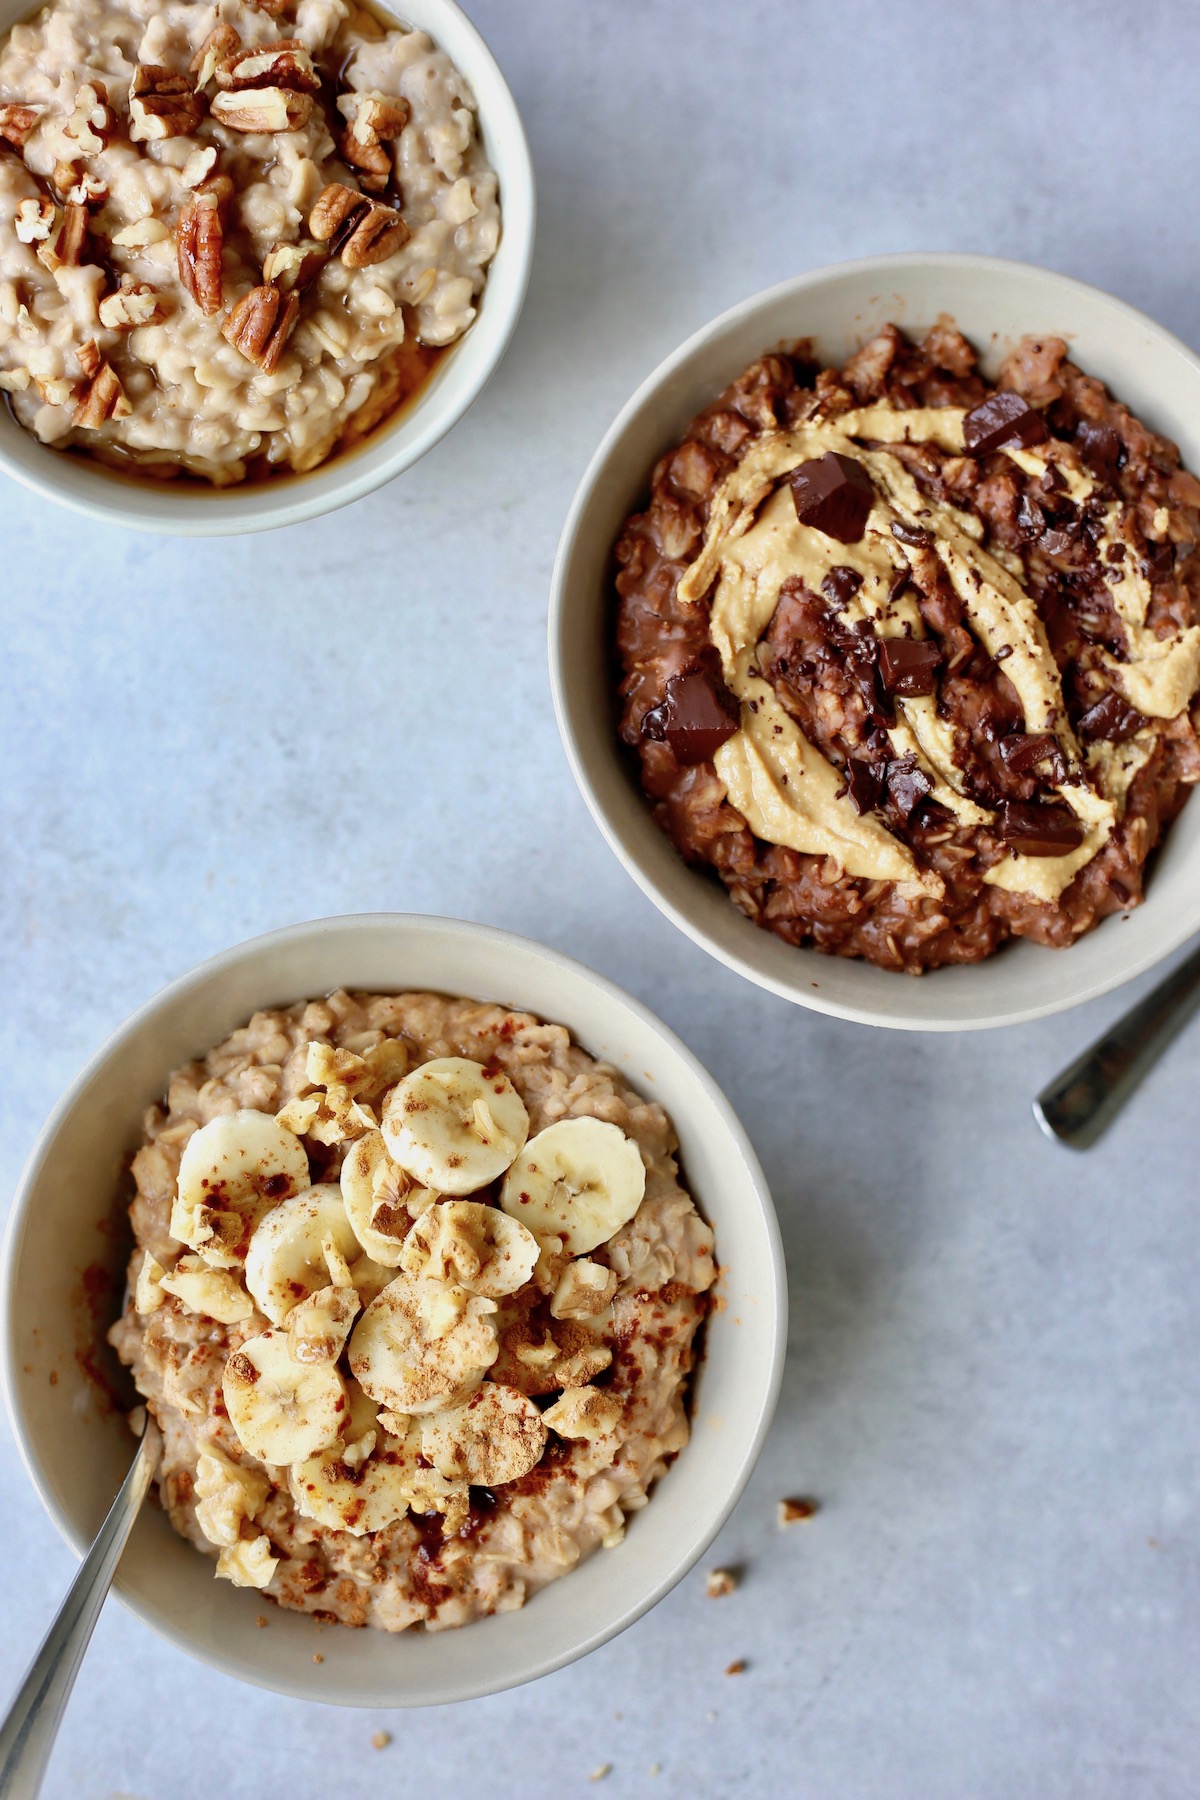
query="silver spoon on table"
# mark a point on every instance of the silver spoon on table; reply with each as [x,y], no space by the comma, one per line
[1085,1098]
[28,1733]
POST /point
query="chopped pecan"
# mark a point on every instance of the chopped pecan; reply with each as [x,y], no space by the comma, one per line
[85,189]
[199,166]
[134,303]
[377,120]
[285,64]
[16,123]
[140,233]
[358,229]
[200,239]
[162,104]
[103,399]
[93,120]
[34,219]
[90,358]
[294,267]
[261,324]
[274,9]
[262,109]
[64,248]
[220,43]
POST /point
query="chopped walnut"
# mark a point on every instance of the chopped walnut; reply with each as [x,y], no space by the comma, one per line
[719,1582]
[16,123]
[140,234]
[220,43]
[162,104]
[358,229]
[34,220]
[82,187]
[294,267]
[261,324]
[134,303]
[200,238]
[285,64]
[103,399]
[64,249]
[796,1512]
[198,167]
[93,121]
[375,121]
[267,109]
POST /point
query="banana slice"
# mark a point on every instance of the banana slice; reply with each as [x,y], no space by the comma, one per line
[474,1246]
[497,1436]
[454,1126]
[580,1179]
[232,1171]
[317,1328]
[285,1261]
[347,1487]
[380,1197]
[421,1345]
[282,1411]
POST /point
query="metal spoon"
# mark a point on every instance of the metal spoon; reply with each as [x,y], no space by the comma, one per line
[1084,1100]
[28,1733]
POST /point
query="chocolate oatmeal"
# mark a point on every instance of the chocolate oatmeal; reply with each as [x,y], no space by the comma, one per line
[910,660]
[234,238]
[414,1301]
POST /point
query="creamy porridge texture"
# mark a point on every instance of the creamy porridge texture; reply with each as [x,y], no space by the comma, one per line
[233,238]
[414,1299]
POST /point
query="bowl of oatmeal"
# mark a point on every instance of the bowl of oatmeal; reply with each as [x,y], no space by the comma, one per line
[254,261]
[454,1285]
[875,638]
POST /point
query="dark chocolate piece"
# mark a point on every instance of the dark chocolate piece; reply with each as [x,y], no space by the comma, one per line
[1021,753]
[1031,520]
[865,783]
[841,584]
[698,713]
[1033,830]
[907,785]
[1003,418]
[833,494]
[910,534]
[1100,448]
[1111,718]
[908,666]
[1158,560]
[1058,538]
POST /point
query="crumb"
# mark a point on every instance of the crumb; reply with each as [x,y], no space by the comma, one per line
[794,1512]
[260,1621]
[720,1581]
[381,1739]
[601,1772]
[737,1668]
[317,1657]
[710,1717]
[656,1768]
[54,1378]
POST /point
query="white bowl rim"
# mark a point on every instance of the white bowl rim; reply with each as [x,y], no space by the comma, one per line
[915,1019]
[166,999]
[265,506]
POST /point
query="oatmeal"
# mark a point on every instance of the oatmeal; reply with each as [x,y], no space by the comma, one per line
[233,238]
[911,660]
[413,1299]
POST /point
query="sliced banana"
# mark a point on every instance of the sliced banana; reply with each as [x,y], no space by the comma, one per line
[454,1126]
[579,1179]
[347,1487]
[214,1293]
[282,1411]
[317,1328]
[285,1261]
[497,1436]
[380,1197]
[232,1171]
[474,1246]
[421,1345]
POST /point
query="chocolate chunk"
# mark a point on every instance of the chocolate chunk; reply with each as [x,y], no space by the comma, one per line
[698,713]
[908,665]
[1100,447]
[1031,520]
[1021,752]
[1033,830]
[1111,718]
[907,785]
[910,534]
[1158,560]
[1058,538]
[833,494]
[865,783]
[1003,418]
[841,584]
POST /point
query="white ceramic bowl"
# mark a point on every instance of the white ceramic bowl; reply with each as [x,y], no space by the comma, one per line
[62,1222]
[457,381]
[995,303]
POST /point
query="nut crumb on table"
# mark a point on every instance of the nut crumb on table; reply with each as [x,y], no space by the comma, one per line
[720,1581]
[797,1511]
[381,1739]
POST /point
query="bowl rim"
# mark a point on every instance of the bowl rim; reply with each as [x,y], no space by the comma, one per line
[242,509]
[166,1000]
[564,690]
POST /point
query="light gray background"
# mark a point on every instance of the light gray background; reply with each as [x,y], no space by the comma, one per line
[992,1382]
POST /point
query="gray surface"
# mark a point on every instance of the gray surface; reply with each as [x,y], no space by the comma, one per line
[992,1379]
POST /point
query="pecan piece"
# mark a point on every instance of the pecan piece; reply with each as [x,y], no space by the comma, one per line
[16,123]
[162,104]
[104,397]
[200,239]
[262,109]
[378,120]
[134,303]
[81,187]
[220,43]
[93,121]
[261,324]
[285,64]
[34,219]
[64,249]
[294,267]
[358,229]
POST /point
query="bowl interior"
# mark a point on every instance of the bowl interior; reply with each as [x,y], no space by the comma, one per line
[995,303]
[457,381]
[67,1241]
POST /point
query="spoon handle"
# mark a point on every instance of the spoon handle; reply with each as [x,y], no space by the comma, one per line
[1085,1098]
[28,1733]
